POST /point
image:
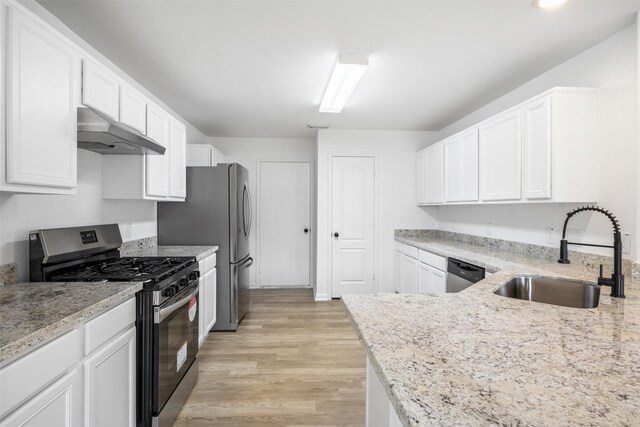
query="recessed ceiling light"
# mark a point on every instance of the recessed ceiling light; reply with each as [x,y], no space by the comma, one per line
[546,4]
[344,78]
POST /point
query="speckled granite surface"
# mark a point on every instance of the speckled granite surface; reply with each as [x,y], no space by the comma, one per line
[476,358]
[200,252]
[8,274]
[139,244]
[33,313]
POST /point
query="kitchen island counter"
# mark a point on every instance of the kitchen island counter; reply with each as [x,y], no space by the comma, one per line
[34,313]
[476,358]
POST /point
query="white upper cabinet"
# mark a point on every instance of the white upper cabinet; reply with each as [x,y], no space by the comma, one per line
[461,167]
[177,159]
[133,109]
[158,167]
[536,119]
[42,74]
[203,155]
[523,155]
[500,157]
[558,135]
[100,88]
[434,173]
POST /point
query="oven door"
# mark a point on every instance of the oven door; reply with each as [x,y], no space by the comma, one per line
[176,342]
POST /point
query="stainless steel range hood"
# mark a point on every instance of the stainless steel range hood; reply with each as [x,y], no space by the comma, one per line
[99,133]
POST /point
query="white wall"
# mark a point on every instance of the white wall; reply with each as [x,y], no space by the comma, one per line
[611,66]
[21,213]
[396,157]
[248,152]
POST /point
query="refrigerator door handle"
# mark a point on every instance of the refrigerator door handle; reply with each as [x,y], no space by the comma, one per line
[246,209]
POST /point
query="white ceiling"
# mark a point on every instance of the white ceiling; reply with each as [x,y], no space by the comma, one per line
[259,68]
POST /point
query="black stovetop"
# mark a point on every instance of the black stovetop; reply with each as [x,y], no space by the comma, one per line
[144,269]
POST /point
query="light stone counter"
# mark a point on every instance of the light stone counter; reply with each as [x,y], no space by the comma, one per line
[200,252]
[476,358]
[33,313]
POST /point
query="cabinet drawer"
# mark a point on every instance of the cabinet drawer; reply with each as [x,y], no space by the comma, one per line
[398,246]
[31,373]
[209,263]
[410,251]
[433,260]
[101,329]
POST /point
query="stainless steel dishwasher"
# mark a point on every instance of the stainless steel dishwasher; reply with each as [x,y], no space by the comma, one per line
[461,275]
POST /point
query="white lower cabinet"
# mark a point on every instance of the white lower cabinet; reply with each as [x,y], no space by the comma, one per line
[431,280]
[110,383]
[54,385]
[208,288]
[379,410]
[57,405]
[419,271]
[409,274]
[210,283]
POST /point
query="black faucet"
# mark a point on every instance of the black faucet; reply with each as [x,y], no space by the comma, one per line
[617,278]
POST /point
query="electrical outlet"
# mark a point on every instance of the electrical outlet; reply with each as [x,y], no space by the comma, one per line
[127,231]
[489,228]
[626,243]
[551,235]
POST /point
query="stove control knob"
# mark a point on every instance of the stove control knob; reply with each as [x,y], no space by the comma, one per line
[193,276]
[183,282]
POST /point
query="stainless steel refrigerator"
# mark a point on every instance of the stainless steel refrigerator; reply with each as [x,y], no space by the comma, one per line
[217,211]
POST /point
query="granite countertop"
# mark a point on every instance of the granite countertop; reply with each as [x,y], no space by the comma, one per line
[200,252]
[33,313]
[476,358]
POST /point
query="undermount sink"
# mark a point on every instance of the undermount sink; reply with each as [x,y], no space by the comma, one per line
[564,292]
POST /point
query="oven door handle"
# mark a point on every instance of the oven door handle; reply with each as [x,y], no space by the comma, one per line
[159,314]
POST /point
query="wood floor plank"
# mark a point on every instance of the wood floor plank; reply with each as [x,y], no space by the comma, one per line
[293,362]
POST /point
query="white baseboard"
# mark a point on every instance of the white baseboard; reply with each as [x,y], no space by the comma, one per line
[322,297]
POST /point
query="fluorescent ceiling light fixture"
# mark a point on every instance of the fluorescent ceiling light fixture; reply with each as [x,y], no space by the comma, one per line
[545,4]
[344,79]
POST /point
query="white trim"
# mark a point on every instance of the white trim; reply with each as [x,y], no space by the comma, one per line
[376,218]
[312,191]
[322,297]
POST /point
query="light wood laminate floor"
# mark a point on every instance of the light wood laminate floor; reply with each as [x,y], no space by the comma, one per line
[292,362]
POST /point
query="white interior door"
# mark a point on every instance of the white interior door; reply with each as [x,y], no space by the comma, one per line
[352,225]
[284,223]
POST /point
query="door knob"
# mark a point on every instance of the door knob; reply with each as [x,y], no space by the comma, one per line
[336,235]
[306,230]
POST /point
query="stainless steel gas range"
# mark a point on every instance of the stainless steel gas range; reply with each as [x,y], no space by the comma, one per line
[167,307]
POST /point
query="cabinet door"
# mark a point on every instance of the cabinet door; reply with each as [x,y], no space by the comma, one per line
[409,275]
[199,155]
[202,294]
[133,109]
[100,88]
[500,157]
[453,169]
[210,283]
[469,169]
[424,278]
[110,383]
[57,405]
[536,123]
[157,166]
[421,178]
[438,281]
[398,271]
[177,160]
[434,186]
[41,116]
